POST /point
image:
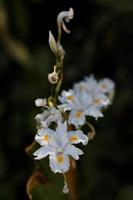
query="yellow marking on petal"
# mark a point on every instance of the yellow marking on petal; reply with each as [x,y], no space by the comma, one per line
[97,101]
[103,85]
[60,158]
[83,87]
[73,138]
[46,138]
[78,114]
[70,98]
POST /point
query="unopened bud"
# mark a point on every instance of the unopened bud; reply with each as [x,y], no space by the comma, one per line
[53,77]
[67,16]
[40,102]
[52,43]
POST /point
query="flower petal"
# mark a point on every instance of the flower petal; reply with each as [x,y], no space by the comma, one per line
[59,163]
[94,112]
[44,136]
[76,137]
[73,151]
[77,118]
[61,134]
[42,152]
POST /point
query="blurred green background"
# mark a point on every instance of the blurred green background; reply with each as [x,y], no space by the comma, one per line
[101,43]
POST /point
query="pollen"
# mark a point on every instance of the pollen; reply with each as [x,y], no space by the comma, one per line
[78,114]
[82,87]
[73,138]
[70,98]
[97,101]
[104,86]
[60,158]
[45,138]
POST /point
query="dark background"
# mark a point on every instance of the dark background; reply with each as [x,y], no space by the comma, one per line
[100,43]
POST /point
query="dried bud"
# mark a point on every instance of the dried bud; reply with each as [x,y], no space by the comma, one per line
[40,102]
[53,77]
[52,43]
[65,188]
[67,16]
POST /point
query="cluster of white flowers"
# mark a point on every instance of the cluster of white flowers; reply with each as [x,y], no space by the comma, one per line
[60,126]
[56,142]
[87,98]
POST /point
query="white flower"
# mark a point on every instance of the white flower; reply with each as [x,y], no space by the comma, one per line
[100,100]
[105,86]
[76,137]
[44,119]
[89,84]
[59,146]
[67,16]
[67,96]
[80,105]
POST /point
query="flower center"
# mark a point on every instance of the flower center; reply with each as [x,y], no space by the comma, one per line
[70,98]
[104,86]
[59,158]
[45,138]
[83,87]
[78,114]
[73,138]
[97,101]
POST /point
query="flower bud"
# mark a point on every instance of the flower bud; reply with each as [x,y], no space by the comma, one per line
[52,43]
[53,77]
[67,16]
[40,102]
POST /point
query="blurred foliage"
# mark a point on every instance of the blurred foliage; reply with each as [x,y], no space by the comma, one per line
[101,43]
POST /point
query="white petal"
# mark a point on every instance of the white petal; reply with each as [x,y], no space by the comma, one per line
[101,100]
[73,151]
[106,85]
[61,134]
[94,112]
[42,152]
[76,137]
[80,86]
[62,166]
[45,123]
[92,83]
[64,107]
[76,118]
[44,135]
[56,115]
[67,96]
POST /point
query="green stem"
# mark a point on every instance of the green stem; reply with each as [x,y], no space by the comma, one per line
[59,69]
[57,88]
